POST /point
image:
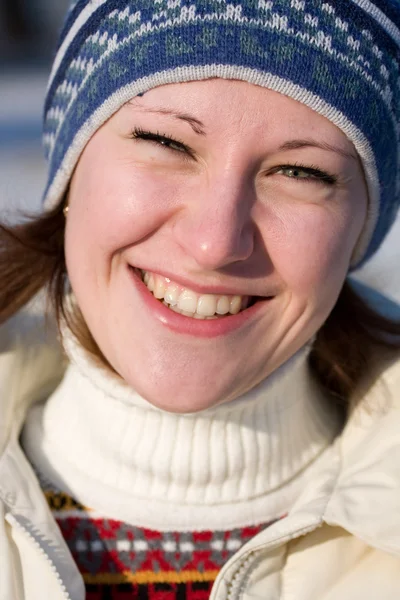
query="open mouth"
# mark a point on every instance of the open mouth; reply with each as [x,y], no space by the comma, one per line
[189,303]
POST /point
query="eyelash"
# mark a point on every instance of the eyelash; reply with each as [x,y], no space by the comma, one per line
[316,175]
[163,140]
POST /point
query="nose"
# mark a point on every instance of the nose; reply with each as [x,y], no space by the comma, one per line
[215,225]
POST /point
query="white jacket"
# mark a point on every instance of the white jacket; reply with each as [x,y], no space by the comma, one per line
[341,540]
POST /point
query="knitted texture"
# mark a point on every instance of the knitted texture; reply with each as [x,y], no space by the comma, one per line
[119,561]
[340,58]
[168,471]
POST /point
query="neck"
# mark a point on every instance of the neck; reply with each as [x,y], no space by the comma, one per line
[236,464]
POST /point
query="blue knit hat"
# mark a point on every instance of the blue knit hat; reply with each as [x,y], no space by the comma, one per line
[340,58]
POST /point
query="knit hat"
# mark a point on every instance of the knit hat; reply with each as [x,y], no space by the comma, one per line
[339,57]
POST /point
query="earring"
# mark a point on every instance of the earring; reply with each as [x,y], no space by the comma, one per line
[65,210]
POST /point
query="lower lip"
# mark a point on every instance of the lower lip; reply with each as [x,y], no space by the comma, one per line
[206,328]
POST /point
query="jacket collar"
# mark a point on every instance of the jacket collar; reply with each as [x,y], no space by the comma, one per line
[32,364]
[365,500]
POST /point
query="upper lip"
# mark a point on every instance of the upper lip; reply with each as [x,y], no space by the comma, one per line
[208,288]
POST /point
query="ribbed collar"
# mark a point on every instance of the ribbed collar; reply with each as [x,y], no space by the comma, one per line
[238,464]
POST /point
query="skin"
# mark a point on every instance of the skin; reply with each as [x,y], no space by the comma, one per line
[224,214]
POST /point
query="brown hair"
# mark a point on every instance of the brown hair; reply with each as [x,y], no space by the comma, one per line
[32,258]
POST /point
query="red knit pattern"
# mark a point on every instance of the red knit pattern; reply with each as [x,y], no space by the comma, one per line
[120,561]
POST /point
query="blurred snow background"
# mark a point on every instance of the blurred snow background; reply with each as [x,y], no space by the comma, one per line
[28,37]
[28,34]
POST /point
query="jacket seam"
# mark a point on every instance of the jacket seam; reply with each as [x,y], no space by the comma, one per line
[304,530]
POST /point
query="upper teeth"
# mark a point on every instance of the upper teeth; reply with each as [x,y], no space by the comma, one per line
[189,302]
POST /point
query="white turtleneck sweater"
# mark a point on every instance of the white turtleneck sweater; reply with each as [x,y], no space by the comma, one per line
[240,463]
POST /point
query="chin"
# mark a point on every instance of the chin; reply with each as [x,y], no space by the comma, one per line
[188,397]
[181,406]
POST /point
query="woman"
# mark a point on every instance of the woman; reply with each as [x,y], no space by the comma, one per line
[228,421]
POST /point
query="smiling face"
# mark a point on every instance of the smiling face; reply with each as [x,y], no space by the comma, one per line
[222,196]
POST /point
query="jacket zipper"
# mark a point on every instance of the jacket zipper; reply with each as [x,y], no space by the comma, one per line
[13,521]
[235,586]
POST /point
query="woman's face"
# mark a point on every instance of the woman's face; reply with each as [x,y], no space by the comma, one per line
[222,196]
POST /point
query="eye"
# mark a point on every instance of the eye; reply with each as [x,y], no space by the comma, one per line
[162,140]
[306,174]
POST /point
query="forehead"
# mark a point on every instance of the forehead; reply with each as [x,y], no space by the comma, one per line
[238,105]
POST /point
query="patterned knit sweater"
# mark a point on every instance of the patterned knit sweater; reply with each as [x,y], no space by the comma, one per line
[119,561]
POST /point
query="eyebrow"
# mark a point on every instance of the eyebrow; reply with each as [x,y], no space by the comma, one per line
[197,126]
[295,144]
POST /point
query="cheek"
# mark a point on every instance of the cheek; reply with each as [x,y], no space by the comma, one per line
[311,247]
[117,208]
